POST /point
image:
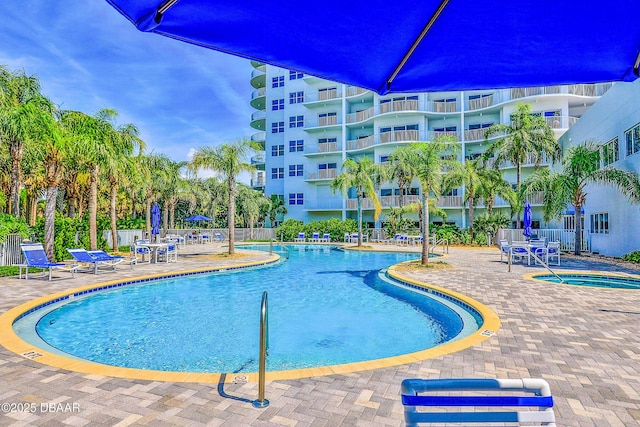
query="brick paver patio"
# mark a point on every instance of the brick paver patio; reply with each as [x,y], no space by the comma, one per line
[583,341]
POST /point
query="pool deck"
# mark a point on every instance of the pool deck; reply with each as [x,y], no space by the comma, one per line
[584,341]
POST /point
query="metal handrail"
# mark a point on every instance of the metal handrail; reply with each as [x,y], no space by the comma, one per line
[261,402]
[536,258]
[443,241]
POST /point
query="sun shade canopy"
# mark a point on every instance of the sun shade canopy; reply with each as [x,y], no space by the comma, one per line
[412,46]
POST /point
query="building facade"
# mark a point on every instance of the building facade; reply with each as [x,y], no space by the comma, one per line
[611,222]
[308,126]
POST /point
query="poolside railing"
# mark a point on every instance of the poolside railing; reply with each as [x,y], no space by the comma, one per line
[565,237]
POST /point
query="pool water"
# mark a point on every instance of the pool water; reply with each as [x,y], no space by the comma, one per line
[326,306]
[595,280]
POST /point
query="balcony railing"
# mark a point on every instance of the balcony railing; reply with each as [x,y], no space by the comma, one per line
[402,105]
[324,95]
[258,182]
[354,90]
[323,121]
[258,159]
[259,93]
[385,202]
[359,116]
[258,136]
[322,174]
[443,106]
[323,204]
[258,115]
[327,147]
[484,102]
[360,143]
[450,201]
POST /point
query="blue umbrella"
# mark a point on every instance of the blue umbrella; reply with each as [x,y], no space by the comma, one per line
[155,219]
[527,219]
[421,51]
[198,218]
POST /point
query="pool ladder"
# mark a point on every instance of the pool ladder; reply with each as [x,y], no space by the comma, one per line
[536,258]
[261,402]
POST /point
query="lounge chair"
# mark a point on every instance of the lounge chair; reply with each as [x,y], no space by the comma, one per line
[219,238]
[518,251]
[92,264]
[115,259]
[347,237]
[140,250]
[205,238]
[393,239]
[169,253]
[315,238]
[510,402]
[553,251]
[326,238]
[504,248]
[35,257]
[300,238]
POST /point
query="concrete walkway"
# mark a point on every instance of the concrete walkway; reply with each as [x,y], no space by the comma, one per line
[583,341]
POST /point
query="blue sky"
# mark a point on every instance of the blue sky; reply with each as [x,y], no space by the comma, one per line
[88,57]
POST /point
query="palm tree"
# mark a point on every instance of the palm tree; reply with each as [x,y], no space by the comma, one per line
[492,185]
[527,135]
[20,99]
[468,175]
[359,174]
[428,160]
[229,160]
[175,188]
[401,170]
[580,167]
[277,208]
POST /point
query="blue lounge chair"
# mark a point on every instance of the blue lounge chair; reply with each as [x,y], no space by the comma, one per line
[169,253]
[315,238]
[219,237]
[300,238]
[115,259]
[91,263]
[326,238]
[516,401]
[35,257]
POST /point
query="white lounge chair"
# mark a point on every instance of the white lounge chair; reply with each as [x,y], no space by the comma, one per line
[300,238]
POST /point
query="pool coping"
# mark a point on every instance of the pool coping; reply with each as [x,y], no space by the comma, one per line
[10,340]
[532,277]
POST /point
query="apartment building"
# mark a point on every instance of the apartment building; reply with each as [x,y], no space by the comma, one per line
[610,221]
[308,126]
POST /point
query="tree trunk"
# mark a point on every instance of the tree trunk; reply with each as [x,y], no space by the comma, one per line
[425,228]
[359,219]
[165,220]
[114,227]
[578,229]
[148,217]
[72,206]
[231,220]
[49,221]
[172,214]
[33,209]
[471,214]
[17,150]
[518,171]
[93,207]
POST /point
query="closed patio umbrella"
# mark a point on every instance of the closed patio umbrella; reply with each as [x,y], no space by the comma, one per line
[155,220]
[527,219]
[413,46]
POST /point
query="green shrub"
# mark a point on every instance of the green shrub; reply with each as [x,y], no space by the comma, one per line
[483,224]
[632,257]
[290,228]
[131,224]
[9,224]
[66,230]
[454,234]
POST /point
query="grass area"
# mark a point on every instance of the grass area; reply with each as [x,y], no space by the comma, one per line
[417,265]
[9,270]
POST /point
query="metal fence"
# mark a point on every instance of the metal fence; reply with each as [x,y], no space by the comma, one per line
[565,237]
[128,237]
[10,252]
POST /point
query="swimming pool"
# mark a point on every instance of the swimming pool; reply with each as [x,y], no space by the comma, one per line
[326,307]
[593,280]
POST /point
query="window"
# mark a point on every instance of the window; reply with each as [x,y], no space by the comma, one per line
[277,127]
[325,119]
[294,75]
[446,129]
[385,192]
[384,159]
[569,222]
[327,140]
[296,198]
[296,121]
[296,170]
[610,152]
[632,137]
[322,166]
[480,126]
[453,192]
[327,93]
[277,173]
[277,150]
[277,104]
[484,95]
[600,223]
[296,97]
[296,146]
[277,81]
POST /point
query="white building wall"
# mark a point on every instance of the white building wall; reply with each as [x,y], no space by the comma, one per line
[616,112]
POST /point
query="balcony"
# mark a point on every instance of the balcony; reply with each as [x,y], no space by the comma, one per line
[259,77]
[258,183]
[322,174]
[401,105]
[322,122]
[450,202]
[355,91]
[322,96]
[258,120]
[258,98]
[258,161]
[385,202]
